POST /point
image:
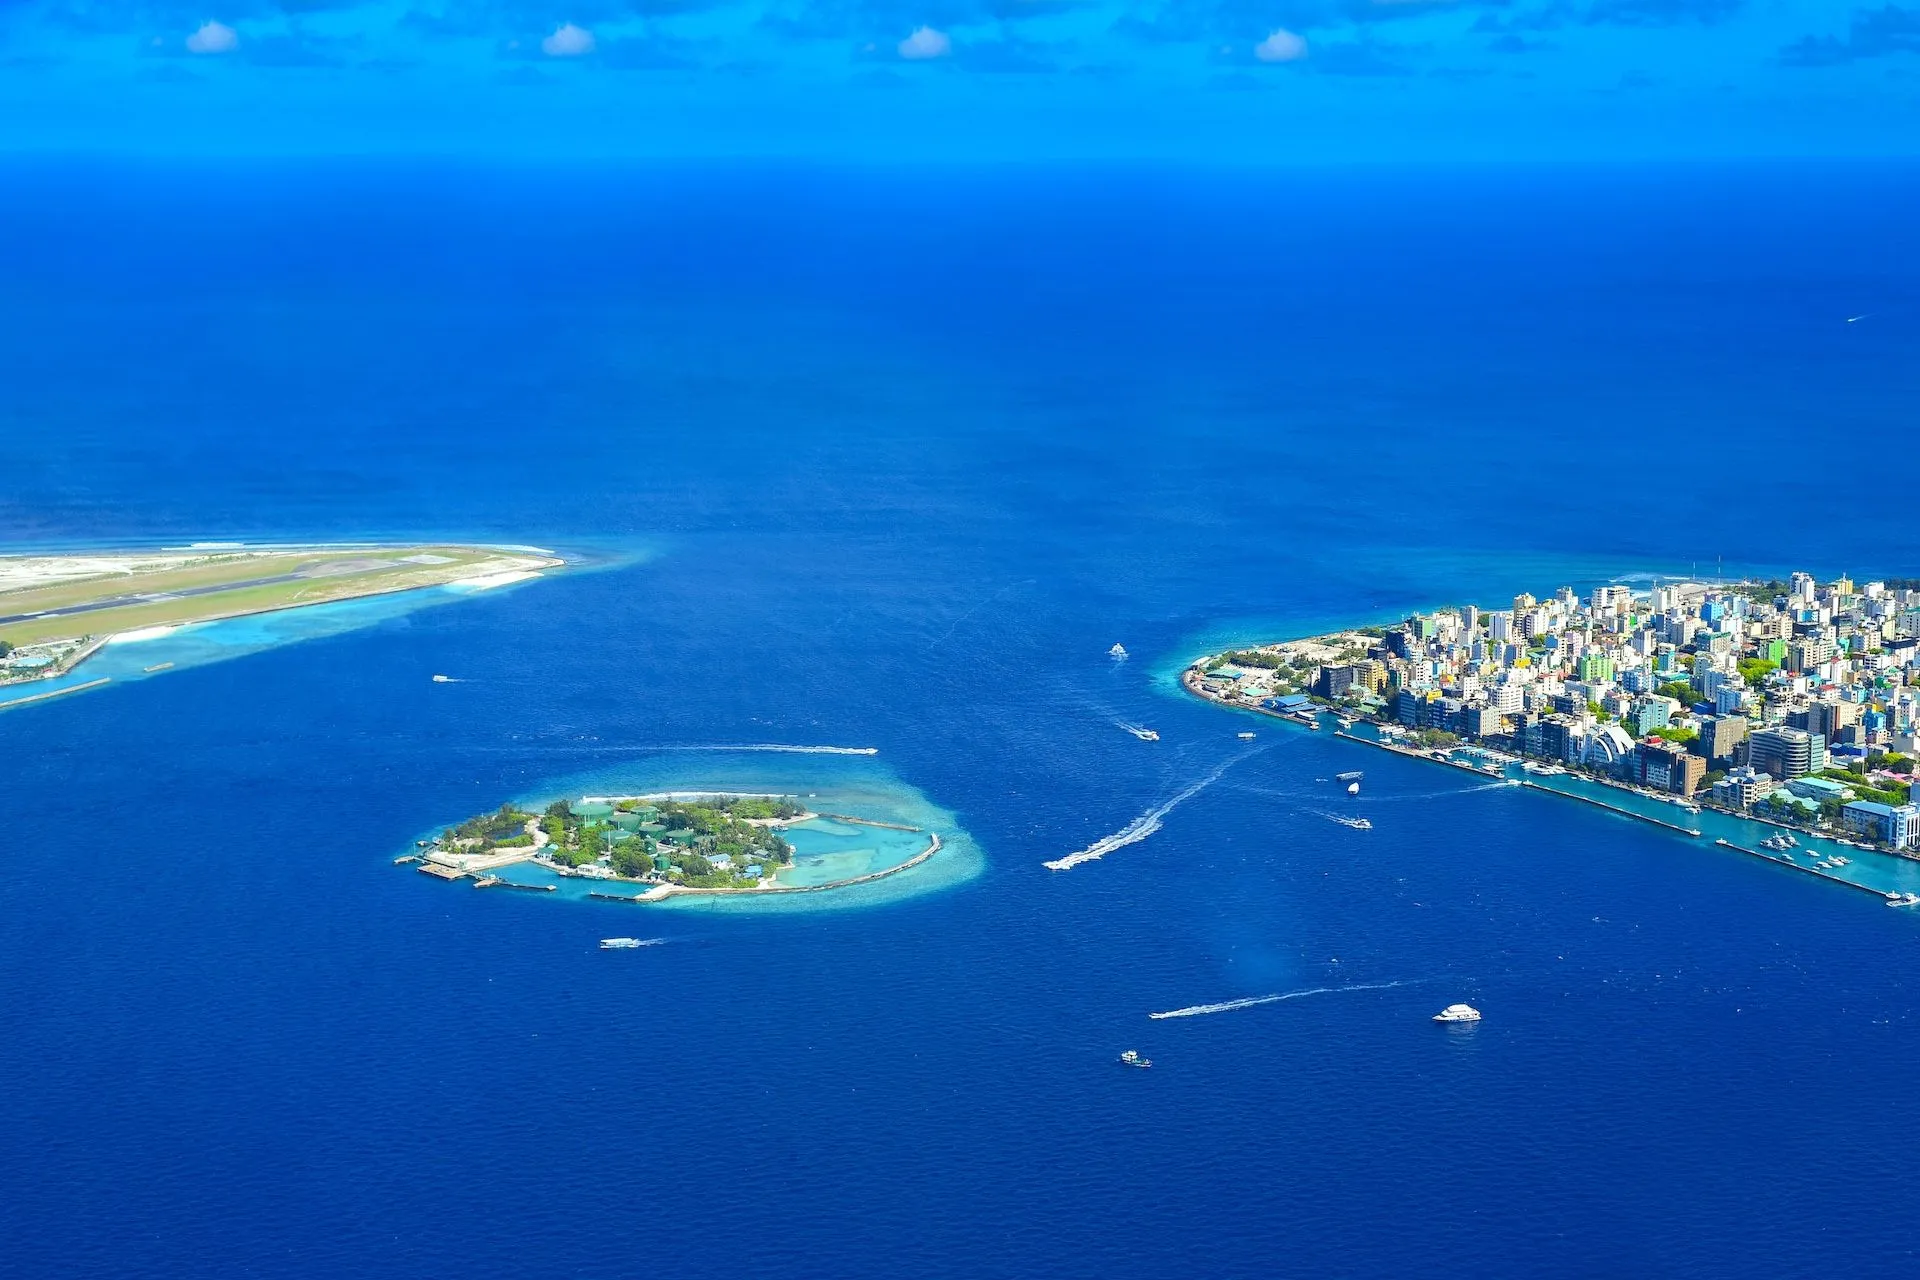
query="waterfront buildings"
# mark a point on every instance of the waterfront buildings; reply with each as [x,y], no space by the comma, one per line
[1729,690]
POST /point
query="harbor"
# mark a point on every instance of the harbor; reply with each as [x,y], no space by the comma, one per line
[1885,875]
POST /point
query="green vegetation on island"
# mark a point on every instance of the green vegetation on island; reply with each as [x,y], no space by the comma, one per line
[706,842]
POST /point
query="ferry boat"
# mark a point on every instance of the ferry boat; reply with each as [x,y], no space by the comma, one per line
[1132,1058]
[1458,1013]
[621,944]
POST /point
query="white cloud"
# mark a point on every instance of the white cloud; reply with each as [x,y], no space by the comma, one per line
[925,43]
[214,37]
[1282,46]
[568,41]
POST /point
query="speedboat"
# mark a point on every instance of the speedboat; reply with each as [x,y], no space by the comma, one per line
[1142,733]
[1358,824]
[443,679]
[1118,651]
[1132,1058]
[1246,737]
[620,944]
[1458,1013]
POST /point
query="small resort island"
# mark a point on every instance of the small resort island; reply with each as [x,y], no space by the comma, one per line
[667,844]
[1791,703]
[57,611]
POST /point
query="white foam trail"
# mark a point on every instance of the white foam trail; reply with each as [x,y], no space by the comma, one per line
[774,746]
[1228,1006]
[1146,824]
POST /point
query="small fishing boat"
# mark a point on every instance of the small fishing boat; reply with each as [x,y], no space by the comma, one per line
[1132,1058]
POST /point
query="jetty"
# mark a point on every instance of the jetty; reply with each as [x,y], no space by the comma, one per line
[56,693]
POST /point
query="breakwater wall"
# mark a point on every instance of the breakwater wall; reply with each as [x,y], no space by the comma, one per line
[1794,866]
[1613,808]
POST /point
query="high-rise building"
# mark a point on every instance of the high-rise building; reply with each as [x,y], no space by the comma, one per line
[1784,752]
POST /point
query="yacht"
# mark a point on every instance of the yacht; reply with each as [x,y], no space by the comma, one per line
[620,944]
[443,679]
[1458,1013]
[1132,1058]
[1839,861]
[1353,788]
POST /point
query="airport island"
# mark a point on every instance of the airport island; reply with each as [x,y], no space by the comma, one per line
[57,611]
[681,843]
[1792,702]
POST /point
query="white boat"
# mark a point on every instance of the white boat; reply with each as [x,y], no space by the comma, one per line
[1118,651]
[1839,861]
[624,944]
[1458,1013]
[443,679]
[1358,824]
[1353,776]
[1246,737]
[1141,732]
[1353,788]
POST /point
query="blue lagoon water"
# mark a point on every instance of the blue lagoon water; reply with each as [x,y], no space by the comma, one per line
[907,453]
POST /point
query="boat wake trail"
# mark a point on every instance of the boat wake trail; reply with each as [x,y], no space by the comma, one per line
[1147,823]
[1228,1006]
[777,746]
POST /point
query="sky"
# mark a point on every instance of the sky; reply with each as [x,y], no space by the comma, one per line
[929,81]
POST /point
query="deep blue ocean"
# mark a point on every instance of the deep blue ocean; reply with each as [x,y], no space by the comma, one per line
[891,458]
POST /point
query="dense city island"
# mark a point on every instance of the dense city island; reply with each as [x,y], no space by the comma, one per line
[667,844]
[1793,702]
